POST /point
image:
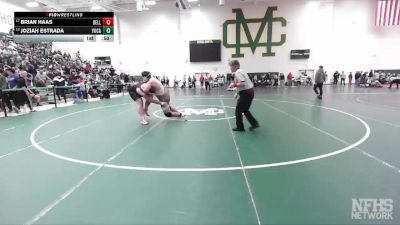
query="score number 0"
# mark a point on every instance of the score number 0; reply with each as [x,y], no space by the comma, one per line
[108,21]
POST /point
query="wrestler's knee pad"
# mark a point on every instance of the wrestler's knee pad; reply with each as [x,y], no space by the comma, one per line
[168,114]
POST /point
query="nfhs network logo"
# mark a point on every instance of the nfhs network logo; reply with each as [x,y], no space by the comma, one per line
[372,209]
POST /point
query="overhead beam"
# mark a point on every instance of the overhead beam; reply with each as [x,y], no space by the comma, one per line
[51,4]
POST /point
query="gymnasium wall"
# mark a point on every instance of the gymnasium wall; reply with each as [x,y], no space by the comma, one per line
[7,16]
[340,34]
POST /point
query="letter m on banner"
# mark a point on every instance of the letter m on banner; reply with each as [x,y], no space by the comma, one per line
[241,22]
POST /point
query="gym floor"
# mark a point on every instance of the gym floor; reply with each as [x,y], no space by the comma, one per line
[94,164]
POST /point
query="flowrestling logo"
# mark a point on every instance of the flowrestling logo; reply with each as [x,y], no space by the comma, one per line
[372,209]
[206,112]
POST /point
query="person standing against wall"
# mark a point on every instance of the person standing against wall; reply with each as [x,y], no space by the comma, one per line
[336,77]
[320,77]
[357,76]
[289,79]
[343,78]
[282,79]
[275,79]
[167,81]
[350,78]
[244,96]
[194,81]
[201,81]
[190,82]
[207,81]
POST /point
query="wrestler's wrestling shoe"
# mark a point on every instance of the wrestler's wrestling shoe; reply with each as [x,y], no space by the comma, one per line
[144,122]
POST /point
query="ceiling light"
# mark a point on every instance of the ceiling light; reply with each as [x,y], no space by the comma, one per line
[139,6]
[32,4]
[150,2]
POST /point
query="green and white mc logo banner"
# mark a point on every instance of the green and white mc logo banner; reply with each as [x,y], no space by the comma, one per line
[242,23]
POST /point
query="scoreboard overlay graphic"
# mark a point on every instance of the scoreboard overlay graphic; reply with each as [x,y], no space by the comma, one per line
[64,26]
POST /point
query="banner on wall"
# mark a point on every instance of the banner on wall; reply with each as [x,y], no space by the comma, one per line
[7,16]
[6,21]
[253,43]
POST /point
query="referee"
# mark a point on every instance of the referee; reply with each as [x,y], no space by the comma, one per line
[244,96]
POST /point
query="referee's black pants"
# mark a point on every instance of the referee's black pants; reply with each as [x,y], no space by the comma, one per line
[243,106]
[319,86]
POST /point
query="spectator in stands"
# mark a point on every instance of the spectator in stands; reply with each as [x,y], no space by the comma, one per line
[12,77]
[41,79]
[81,78]
[32,93]
[59,83]
[28,77]
[73,78]
[119,85]
[22,97]
[78,96]
[42,64]
[93,92]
